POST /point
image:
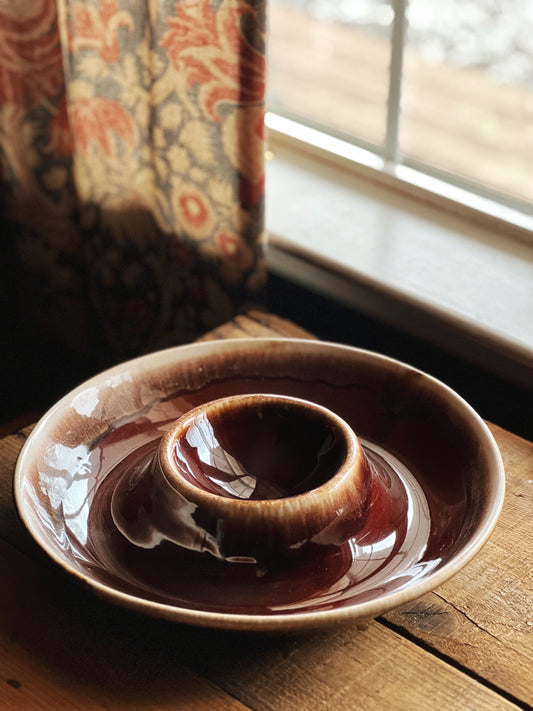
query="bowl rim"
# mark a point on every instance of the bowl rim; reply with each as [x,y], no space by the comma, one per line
[291,621]
[177,481]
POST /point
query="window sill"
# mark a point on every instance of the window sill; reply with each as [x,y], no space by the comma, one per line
[465,288]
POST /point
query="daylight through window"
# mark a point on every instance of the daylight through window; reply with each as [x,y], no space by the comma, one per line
[461,108]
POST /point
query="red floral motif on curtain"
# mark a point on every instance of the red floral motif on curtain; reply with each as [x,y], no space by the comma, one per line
[212,51]
[99,120]
[97,28]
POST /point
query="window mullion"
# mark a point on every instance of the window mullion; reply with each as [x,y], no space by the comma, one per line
[398,36]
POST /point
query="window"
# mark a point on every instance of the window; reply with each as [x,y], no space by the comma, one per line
[461,71]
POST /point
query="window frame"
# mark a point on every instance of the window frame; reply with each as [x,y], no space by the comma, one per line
[446,191]
[402,177]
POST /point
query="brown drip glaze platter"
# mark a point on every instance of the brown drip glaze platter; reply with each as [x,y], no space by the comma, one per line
[86,485]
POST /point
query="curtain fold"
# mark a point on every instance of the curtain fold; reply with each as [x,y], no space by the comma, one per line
[131,148]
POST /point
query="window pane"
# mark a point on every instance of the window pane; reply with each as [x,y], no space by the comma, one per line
[329,62]
[467,102]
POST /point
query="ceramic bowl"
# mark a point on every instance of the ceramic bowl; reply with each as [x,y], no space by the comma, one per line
[436,487]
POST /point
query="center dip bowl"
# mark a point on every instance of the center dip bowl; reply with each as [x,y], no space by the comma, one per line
[261,484]
[250,479]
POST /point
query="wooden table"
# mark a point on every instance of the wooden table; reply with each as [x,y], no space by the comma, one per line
[468,645]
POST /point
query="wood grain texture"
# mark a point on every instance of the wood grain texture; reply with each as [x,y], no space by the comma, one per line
[257,324]
[61,647]
[353,668]
[483,617]
[11,529]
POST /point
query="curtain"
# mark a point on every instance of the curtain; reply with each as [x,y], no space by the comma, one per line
[131,149]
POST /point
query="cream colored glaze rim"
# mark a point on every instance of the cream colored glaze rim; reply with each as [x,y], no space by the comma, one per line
[277,622]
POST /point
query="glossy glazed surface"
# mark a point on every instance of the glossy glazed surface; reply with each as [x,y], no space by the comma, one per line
[437,484]
[386,551]
[256,479]
[259,449]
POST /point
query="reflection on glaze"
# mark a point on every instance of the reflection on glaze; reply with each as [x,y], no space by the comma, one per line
[389,557]
[86,402]
[206,462]
[66,477]
[386,554]
[226,473]
[167,516]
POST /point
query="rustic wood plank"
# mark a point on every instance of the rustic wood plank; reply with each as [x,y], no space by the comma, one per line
[257,324]
[64,648]
[353,668]
[12,426]
[483,617]
[61,648]
[11,529]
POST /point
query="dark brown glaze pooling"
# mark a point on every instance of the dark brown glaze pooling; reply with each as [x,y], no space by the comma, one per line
[319,577]
[387,551]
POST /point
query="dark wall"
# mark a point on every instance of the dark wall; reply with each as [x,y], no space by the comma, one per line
[495,399]
[34,380]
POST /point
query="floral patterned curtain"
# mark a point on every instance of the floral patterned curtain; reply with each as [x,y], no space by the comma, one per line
[131,149]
